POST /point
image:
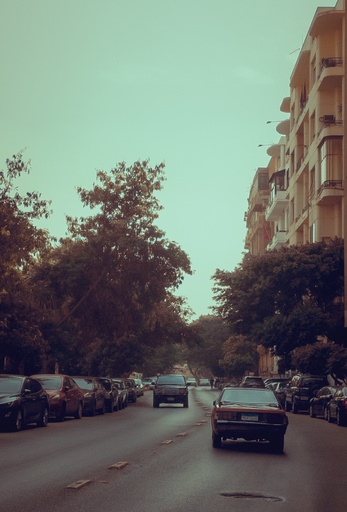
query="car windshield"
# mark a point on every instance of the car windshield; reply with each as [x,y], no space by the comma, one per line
[248,396]
[84,383]
[10,385]
[171,379]
[50,382]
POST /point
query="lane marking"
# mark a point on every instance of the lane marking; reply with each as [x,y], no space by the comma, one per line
[79,484]
[119,465]
[168,441]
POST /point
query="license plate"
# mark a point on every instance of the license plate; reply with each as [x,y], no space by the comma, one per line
[249,417]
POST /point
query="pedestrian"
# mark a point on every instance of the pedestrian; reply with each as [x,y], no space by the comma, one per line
[211,382]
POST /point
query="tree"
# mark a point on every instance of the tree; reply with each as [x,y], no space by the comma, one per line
[112,282]
[287,298]
[21,243]
[239,356]
[204,349]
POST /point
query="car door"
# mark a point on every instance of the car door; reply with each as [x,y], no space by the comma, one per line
[31,400]
[71,395]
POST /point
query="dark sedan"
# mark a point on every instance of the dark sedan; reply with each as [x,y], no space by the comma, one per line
[252,414]
[94,395]
[22,401]
[320,400]
[337,407]
[65,397]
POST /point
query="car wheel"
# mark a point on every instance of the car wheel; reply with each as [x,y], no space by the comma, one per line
[79,412]
[312,414]
[339,420]
[216,440]
[277,443]
[295,408]
[18,421]
[330,420]
[43,421]
[61,416]
[288,406]
[185,403]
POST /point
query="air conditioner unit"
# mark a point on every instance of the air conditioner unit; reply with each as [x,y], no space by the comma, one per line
[328,119]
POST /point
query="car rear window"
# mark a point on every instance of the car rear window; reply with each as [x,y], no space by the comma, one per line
[171,379]
[248,395]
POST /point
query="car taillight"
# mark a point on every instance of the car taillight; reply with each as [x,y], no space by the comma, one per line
[225,415]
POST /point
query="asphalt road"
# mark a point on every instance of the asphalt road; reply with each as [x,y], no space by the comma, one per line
[163,461]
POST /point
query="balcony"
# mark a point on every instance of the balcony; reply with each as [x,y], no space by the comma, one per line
[279,239]
[330,192]
[331,127]
[277,205]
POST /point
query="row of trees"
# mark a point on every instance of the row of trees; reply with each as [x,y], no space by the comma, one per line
[290,302]
[100,300]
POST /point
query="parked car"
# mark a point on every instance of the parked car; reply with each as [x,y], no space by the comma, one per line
[22,401]
[94,395]
[337,407]
[279,388]
[320,400]
[139,387]
[274,380]
[131,387]
[204,382]
[111,396]
[252,381]
[191,381]
[300,389]
[65,397]
[122,392]
[171,388]
[253,414]
[149,382]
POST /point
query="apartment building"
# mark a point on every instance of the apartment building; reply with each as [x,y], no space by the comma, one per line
[303,199]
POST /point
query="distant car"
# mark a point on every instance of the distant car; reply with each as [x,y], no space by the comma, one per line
[320,400]
[139,387]
[251,381]
[111,396]
[65,397]
[300,390]
[204,382]
[191,381]
[122,392]
[170,388]
[131,387]
[149,382]
[274,380]
[22,401]
[337,407]
[279,388]
[253,414]
[94,395]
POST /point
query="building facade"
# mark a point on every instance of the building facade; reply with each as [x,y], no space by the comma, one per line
[304,199]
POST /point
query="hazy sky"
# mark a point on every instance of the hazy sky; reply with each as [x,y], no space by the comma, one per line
[86,84]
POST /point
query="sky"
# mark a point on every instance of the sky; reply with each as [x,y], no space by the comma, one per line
[192,83]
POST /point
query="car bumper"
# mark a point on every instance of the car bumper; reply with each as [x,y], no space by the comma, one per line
[247,431]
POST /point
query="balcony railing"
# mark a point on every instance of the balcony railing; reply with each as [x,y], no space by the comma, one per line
[329,62]
[330,184]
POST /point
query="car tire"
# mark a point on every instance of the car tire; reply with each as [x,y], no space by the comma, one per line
[43,421]
[18,421]
[288,406]
[312,414]
[277,443]
[330,420]
[216,440]
[339,420]
[295,408]
[185,403]
[79,412]
[61,416]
